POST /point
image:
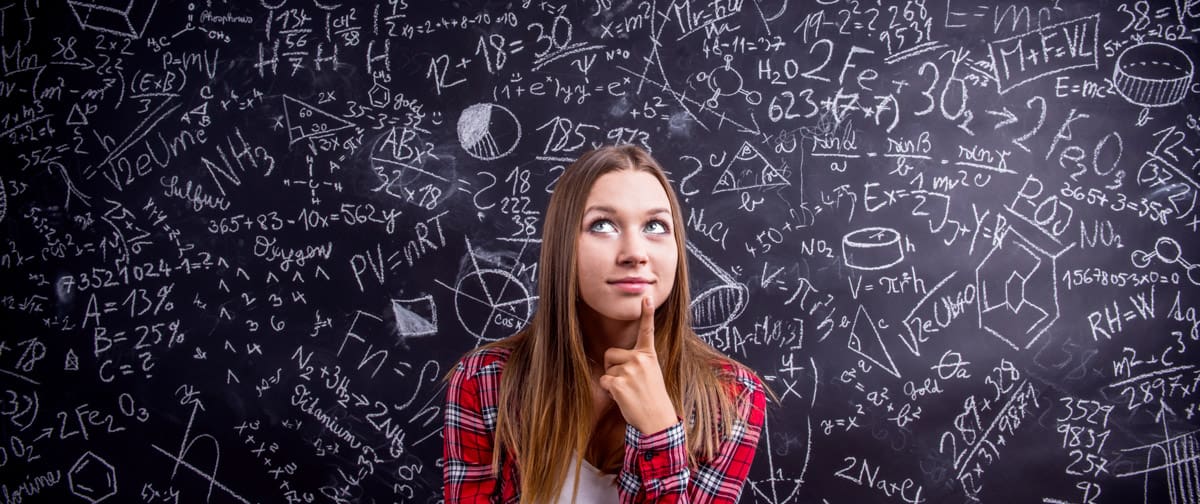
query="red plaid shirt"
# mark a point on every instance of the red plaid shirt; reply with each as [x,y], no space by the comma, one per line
[655,467]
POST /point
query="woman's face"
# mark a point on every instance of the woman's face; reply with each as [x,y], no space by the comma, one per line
[627,233]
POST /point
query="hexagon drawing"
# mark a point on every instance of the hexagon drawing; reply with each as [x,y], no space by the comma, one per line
[92,478]
[1018,298]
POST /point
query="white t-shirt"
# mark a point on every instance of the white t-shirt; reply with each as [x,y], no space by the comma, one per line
[594,486]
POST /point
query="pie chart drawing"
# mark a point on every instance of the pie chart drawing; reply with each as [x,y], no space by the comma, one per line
[499,296]
[488,131]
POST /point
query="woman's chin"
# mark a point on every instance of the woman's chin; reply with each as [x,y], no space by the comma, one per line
[623,313]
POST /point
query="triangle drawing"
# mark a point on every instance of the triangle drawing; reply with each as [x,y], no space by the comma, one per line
[749,169]
[306,121]
[865,341]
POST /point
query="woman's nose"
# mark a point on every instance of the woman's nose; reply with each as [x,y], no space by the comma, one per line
[633,251]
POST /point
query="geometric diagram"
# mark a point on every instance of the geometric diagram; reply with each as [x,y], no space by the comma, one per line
[379,95]
[1018,295]
[1153,74]
[504,299]
[77,117]
[681,99]
[1175,460]
[776,479]
[409,323]
[869,344]
[213,451]
[718,306]
[752,170]
[726,77]
[92,479]
[488,131]
[127,18]
[1167,250]
[663,82]
[872,248]
[307,121]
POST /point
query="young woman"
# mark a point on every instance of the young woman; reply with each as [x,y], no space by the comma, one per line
[607,395]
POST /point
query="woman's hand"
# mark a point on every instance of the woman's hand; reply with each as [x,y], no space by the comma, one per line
[634,379]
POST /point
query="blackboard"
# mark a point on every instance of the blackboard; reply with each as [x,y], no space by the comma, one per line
[242,241]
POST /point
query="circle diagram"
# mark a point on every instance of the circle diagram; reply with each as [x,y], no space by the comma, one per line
[496,294]
[488,131]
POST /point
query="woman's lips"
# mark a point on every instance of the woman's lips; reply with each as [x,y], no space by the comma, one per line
[631,287]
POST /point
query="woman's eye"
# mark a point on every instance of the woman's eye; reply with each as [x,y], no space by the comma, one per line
[597,223]
[660,224]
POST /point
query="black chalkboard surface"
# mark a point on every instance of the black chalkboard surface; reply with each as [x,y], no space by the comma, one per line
[240,242]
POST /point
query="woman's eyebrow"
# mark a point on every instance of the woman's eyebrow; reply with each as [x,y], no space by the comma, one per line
[608,209]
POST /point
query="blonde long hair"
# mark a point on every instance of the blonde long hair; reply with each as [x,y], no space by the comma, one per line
[545,402]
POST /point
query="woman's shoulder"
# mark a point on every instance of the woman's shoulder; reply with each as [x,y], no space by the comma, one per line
[740,378]
[483,360]
[474,383]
